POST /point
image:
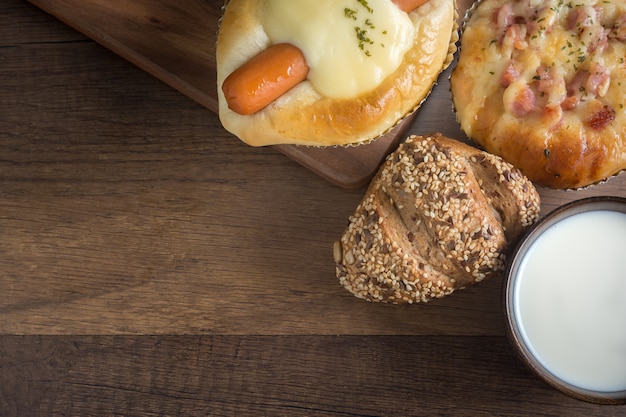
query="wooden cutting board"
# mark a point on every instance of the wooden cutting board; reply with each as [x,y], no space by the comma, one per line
[174,40]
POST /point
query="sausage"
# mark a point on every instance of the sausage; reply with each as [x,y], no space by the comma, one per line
[264,78]
[409,5]
[273,72]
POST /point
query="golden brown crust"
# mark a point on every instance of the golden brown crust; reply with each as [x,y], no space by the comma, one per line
[573,132]
[303,116]
[438,216]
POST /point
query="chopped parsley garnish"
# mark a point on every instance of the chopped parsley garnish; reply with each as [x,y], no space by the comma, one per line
[367,7]
[361,35]
[363,26]
[350,13]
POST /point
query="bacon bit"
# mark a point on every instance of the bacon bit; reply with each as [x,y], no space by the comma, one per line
[524,102]
[599,13]
[574,18]
[581,17]
[590,84]
[511,73]
[575,86]
[595,37]
[516,35]
[545,81]
[587,21]
[598,81]
[570,103]
[601,118]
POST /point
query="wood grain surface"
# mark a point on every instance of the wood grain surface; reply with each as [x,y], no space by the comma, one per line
[153,265]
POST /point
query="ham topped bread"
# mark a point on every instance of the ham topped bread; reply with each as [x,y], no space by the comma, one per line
[367,65]
[542,83]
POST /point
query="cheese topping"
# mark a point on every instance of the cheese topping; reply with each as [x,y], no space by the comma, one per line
[541,83]
[350,45]
[552,57]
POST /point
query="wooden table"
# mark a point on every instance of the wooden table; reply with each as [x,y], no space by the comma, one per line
[153,265]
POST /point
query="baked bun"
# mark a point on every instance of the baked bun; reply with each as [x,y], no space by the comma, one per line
[437,217]
[542,84]
[303,115]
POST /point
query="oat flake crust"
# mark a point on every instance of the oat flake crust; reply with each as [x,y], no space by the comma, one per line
[438,216]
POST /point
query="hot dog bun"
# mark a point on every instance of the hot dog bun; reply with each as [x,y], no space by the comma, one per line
[303,116]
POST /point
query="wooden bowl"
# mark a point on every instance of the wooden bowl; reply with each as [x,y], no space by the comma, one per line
[565,299]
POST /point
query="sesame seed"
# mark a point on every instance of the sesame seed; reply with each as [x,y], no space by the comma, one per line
[428,178]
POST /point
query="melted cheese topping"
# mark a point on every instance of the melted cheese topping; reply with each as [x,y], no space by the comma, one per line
[541,83]
[553,58]
[350,46]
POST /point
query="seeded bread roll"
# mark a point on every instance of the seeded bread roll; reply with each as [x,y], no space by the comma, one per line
[303,115]
[437,217]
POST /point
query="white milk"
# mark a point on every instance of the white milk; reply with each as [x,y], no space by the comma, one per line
[570,299]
